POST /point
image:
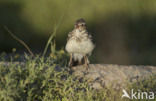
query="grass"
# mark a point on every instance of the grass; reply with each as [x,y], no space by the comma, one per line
[41,80]
[49,79]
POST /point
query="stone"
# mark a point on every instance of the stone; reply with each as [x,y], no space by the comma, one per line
[116,75]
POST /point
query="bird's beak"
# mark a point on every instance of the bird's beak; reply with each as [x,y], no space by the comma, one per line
[77,26]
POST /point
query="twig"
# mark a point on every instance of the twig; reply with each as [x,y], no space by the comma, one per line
[19,40]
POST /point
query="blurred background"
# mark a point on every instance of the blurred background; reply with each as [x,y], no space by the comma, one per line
[124,30]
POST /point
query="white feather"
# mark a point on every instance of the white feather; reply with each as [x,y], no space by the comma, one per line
[79,48]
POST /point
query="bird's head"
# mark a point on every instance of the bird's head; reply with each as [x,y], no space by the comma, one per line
[80,24]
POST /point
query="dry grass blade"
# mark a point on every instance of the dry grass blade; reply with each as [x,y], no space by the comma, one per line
[19,40]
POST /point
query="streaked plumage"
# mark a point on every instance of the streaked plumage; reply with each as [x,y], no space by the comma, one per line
[79,43]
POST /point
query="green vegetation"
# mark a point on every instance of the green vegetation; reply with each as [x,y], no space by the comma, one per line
[41,79]
[147,85]
[49,79]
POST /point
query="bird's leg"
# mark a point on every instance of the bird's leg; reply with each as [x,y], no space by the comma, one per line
[86,62]
[70,61]
[80,62]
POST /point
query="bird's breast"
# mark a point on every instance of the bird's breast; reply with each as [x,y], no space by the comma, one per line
[79,45]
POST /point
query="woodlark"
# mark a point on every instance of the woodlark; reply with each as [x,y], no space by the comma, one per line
[79,44]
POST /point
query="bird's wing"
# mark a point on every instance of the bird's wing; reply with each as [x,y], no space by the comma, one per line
[70,35]
[89,35]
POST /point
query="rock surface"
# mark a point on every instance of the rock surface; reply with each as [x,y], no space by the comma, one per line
[101,75]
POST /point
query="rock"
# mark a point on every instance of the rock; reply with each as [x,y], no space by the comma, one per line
[103,75]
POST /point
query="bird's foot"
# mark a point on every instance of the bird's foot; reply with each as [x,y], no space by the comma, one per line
[86,66]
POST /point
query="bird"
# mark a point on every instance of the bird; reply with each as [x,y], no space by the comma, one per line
[79,44]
